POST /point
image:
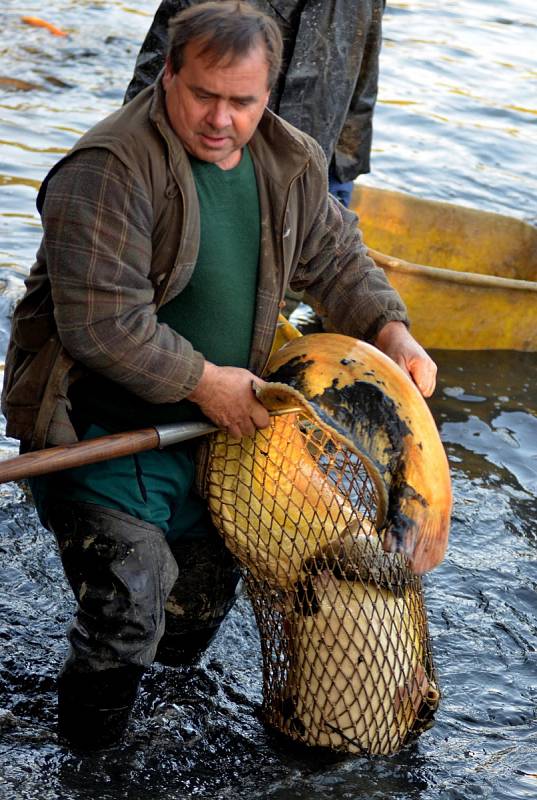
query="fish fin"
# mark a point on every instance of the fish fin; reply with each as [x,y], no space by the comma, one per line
[410,695]
[423,538]
[417,700]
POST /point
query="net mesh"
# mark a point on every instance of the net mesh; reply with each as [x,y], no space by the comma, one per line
[347,661]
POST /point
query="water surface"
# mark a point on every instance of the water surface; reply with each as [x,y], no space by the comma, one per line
[456,120]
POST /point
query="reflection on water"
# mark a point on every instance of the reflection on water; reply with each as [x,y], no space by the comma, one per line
[77,79]
[456,121]
[456,118]
[490,424]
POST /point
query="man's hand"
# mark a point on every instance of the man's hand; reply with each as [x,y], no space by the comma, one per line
[226,396]
[395,340]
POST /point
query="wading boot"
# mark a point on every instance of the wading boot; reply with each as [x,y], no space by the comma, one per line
[94,708]
[121,571]
[200,599]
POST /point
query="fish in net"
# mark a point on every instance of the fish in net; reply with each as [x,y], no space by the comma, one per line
[331,525]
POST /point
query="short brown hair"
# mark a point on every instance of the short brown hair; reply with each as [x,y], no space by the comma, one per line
[228,27]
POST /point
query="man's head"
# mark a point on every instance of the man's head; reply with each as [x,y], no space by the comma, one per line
[223,59]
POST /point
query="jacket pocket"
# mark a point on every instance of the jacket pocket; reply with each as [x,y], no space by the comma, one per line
[35,386]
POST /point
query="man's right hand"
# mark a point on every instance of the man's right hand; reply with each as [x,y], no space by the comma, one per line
[226,397]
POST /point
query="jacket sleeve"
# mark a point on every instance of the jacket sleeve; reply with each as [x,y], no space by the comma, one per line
[352,150]
[343,282]
[97,237]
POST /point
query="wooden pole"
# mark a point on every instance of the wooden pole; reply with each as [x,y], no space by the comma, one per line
[102,448]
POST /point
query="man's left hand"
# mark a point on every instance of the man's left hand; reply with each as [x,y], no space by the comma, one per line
[395,340]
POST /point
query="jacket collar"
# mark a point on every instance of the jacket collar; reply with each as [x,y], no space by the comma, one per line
[280,148]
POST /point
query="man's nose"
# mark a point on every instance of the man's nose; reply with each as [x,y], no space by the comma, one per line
[219,115]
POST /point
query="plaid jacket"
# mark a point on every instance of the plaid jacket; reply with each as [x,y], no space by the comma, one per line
[121,235]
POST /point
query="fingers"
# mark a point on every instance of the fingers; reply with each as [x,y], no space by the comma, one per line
[226,396]
[260,416]
[395,341]
[248,413]
[255,417]
[423,372]
[237,431]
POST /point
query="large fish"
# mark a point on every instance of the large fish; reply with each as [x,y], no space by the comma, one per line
[306,506]
[360,677]
[270,498]
[366,397]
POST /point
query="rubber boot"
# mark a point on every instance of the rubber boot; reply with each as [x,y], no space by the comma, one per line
[94,708]
[202,596]
[121,571]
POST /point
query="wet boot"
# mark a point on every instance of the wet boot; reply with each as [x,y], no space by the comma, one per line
[202,596]
[121,571]
[94,708]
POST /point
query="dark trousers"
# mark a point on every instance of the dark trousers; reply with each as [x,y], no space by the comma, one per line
[138,598]
[136,594]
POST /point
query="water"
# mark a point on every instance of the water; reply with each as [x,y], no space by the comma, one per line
[457,115]
[456,121]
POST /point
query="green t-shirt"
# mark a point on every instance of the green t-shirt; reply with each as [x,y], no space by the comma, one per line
[215,311]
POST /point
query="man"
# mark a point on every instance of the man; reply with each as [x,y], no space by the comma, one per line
[171,232]
[327,86]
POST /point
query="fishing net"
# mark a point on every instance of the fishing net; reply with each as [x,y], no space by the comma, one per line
[347,661]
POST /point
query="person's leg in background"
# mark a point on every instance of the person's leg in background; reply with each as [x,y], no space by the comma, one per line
[341,191]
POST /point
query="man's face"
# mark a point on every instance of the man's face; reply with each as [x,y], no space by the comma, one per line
[215,108]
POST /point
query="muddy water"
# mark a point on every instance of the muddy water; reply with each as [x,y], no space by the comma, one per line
[456,121]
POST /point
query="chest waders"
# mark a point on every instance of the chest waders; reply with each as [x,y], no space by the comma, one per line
[134,603]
